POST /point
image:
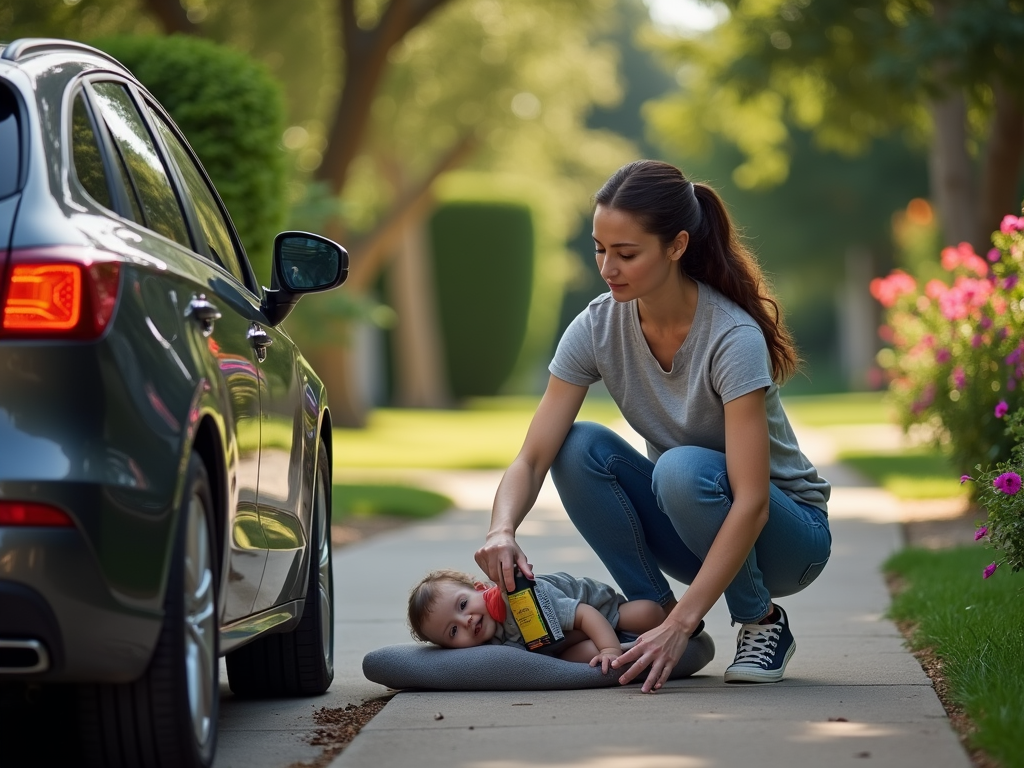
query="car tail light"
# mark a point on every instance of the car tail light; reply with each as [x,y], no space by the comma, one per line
[27,513]
[60,292]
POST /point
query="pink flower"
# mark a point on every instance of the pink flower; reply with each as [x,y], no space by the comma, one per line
[942,356]
[989,570]
[964,256]
[1008,483]
[994,255]
[1010,223]
[980,532]
[935,289]
[959,377]
[1009,282]
[1001,409]
[965,478]
[887,290]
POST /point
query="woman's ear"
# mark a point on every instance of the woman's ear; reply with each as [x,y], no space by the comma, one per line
[678,247]
[480,586]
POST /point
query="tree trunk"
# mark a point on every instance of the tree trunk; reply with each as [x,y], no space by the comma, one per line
[421,378]
[951,171]
[337,365]
[1001,172]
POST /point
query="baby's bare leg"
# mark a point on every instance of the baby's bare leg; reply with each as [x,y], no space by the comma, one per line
[583,651]
[640,615]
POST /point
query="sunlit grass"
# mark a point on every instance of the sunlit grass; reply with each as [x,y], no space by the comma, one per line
[840,409]
[977,628]
[919,473]
[354,500]
[487,434]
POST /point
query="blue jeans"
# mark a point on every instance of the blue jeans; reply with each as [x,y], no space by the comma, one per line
[645,520]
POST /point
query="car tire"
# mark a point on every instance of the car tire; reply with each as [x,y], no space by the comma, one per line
[169,715]
[299,662]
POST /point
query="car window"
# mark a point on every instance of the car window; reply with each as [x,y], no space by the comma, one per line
[215,230]
[85,154]
[146,170]
[10,147]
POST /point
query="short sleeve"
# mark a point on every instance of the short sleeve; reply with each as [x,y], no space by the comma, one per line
[563,605]
[740,364]
[574,359]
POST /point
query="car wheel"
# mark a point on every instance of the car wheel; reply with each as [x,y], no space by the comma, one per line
[169,715]
[300,662]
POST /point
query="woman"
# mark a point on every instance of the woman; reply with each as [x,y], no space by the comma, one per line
[691,347]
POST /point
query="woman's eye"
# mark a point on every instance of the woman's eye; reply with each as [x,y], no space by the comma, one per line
[627,256]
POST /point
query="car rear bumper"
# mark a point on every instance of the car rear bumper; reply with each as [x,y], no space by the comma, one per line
[79,632]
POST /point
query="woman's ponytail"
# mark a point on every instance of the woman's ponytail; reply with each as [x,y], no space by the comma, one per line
[719,258]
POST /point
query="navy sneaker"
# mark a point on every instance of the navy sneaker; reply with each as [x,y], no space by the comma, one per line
[762,652]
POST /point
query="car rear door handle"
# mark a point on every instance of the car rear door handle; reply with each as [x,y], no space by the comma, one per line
[204,312]
[260,340]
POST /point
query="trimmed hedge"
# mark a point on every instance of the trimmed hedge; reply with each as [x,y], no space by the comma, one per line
[483,264]
[232,112]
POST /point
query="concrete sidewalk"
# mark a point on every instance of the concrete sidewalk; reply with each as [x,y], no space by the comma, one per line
[853,695]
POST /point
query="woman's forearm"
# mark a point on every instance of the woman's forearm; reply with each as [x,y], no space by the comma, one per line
[516,494]
[730,549]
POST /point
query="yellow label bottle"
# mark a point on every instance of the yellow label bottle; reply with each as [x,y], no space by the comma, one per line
[534,616]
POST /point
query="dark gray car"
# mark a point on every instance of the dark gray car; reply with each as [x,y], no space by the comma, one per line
[165,449]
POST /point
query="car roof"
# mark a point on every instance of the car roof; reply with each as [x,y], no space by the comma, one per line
[27,48]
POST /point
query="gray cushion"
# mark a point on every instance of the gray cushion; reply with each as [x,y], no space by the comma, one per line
[503,668]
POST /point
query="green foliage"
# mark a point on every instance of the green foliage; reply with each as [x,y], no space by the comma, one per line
[957,347]
[908,474]
[849,72]
[999,493]
[484,264]
[231,112]
[977,630]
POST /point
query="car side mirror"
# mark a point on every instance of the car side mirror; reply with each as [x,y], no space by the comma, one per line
[303,263]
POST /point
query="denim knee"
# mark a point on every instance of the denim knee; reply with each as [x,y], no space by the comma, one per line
[690,477]
[576,450]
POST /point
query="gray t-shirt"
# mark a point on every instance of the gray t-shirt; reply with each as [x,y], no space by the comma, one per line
[724,357]
[560,594]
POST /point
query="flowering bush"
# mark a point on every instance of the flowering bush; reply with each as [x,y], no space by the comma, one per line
[957,346]
[999,492]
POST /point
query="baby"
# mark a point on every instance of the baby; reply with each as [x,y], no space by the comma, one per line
[453,610]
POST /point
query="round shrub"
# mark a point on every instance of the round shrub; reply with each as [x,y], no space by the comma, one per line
[232,112]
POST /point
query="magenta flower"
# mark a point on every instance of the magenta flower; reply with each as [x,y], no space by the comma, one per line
[1009,282]
[993,255]
[980,532]
[1001,409]
[942,356]
[989,570]
[1008,483]
[959,377]
[965,478]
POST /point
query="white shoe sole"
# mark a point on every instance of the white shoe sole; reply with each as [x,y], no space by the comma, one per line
[752,674]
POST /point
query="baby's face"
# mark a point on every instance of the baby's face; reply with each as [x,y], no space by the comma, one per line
[458,618]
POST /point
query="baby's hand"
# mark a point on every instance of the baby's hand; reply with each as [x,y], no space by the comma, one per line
[605,657]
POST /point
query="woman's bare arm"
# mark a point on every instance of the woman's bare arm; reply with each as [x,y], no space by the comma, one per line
[747,465]
[521,482]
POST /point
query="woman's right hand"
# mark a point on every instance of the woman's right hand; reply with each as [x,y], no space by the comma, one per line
[497,557]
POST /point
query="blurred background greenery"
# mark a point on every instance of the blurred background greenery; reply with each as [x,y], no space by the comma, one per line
[454,145]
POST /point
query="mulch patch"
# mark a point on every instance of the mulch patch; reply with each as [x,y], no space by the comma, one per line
[337,727]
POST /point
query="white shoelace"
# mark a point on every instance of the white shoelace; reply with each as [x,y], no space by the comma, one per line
[757,644]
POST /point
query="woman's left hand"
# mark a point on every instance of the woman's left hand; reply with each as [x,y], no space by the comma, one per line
[660,649]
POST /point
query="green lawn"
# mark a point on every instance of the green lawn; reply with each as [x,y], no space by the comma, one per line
[976,627]
[487,434]
[840,409]
[919,473]
[354,500]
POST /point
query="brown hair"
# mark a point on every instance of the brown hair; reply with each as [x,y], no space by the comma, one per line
[665,203]
[424,594]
